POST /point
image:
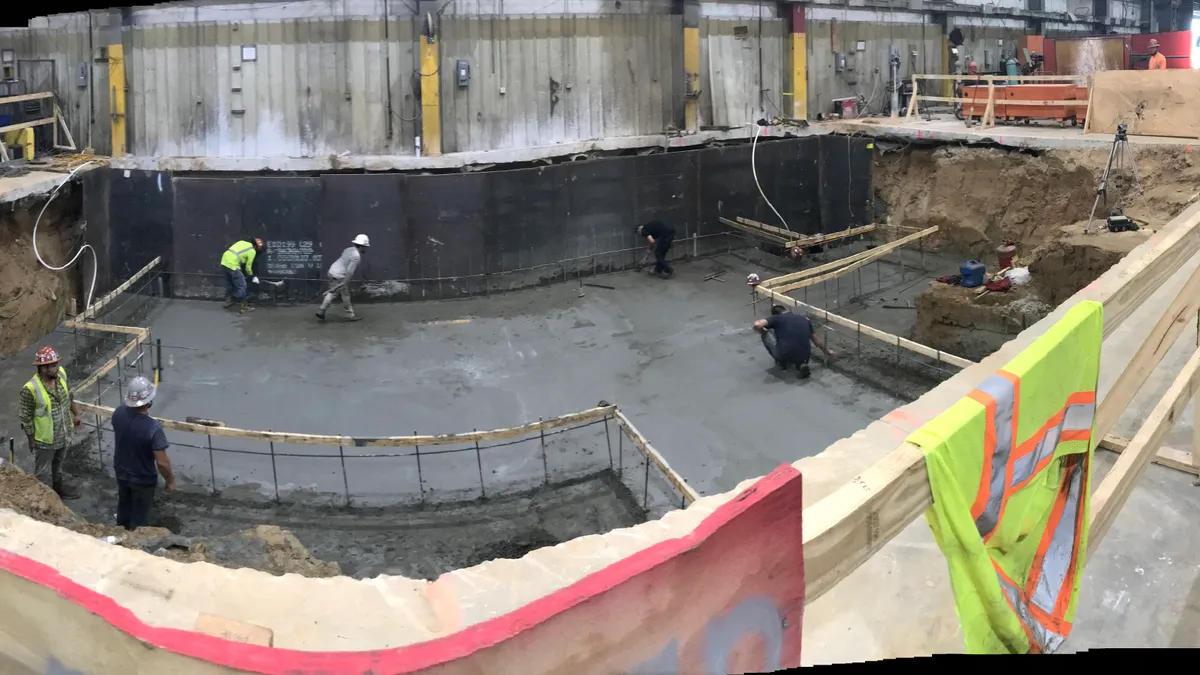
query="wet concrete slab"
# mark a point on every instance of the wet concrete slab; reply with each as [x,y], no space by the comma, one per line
[677,356]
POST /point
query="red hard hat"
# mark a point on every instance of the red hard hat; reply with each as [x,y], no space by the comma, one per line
[45,356]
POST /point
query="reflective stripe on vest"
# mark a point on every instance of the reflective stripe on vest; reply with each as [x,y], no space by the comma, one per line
[1042,604]
[43,411]
[238,252]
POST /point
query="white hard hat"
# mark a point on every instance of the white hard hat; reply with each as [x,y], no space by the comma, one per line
[362,240]
[141,391]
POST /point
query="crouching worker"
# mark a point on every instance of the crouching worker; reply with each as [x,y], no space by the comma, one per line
[786,337]
[140,455]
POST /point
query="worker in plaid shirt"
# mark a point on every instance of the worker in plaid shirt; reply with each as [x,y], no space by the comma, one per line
[44,402]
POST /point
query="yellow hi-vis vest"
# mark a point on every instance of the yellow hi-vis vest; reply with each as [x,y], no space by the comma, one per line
[241,253]
[1009,468]
[43,410]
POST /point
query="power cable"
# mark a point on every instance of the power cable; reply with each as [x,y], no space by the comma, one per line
[85,247]
[754,170]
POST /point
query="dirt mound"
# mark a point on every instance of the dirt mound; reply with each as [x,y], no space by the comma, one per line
[33,299]
[266,547]
[1071,260]
[963,322]
[982,196]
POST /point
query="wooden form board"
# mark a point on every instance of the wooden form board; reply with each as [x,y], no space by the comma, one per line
[850,525]
[756,232]
[98,305]
[1171,458]
[875,333]
[1151,102]
[787,238]
[872,255]
[652,455]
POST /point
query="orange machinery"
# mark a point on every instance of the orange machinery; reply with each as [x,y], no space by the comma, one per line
[1008,106]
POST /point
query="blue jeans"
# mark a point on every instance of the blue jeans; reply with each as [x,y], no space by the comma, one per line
[235,284]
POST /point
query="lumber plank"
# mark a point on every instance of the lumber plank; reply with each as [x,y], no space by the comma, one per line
[112,363]
[104,327]
[654,456]
[845,528]
[27,125]
[90,312]
[896,340]
[753,231]
[384,442]
[819,239]
[773,282]
[780,231]
[26,97]
[1171,458]
[875,254]
[1177,316]
[1116,487]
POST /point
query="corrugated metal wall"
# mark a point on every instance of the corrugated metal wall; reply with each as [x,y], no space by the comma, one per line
[314,87]
[741,60]
[545,80]
[63,50]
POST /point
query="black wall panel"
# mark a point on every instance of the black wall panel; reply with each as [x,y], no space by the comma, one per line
[285,212]
[845,171]
[600,215]
[447,235]
[446,219]
[141,208]
[96,201]
[371,204]
[207,218]
[528,219]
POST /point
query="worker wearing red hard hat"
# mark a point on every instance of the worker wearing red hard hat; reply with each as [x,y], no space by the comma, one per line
[44,403]
[1157,60]
[238,263]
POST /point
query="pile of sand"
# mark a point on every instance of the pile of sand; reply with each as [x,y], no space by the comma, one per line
[266,547]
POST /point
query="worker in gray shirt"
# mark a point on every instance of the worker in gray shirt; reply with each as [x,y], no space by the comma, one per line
[340,273]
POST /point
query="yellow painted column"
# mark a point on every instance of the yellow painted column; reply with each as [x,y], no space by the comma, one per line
[691,65]
[691,69]
[116,100]
[799,64]
[431,95]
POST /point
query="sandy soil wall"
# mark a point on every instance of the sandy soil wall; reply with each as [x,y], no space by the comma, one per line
[33,299]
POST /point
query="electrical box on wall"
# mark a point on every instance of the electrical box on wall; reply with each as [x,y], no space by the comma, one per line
[839,62]
[81,74]
[463,70]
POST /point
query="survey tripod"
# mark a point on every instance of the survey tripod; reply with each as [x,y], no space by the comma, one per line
[1120,153]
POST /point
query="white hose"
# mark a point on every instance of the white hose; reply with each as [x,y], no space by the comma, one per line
[754,170]
[85,247]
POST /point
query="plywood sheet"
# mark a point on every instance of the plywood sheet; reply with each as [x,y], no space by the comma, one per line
[1152,103]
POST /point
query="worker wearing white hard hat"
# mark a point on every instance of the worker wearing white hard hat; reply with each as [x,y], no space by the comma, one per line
[340,273]
[139,455]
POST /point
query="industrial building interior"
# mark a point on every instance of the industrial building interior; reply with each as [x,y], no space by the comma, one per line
[523,431]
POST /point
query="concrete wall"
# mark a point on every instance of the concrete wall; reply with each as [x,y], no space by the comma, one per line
[725,593]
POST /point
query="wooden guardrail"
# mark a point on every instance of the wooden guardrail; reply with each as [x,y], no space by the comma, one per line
[989,115]
[56,118]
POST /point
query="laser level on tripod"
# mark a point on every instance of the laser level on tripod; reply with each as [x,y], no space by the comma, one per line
[1120,154]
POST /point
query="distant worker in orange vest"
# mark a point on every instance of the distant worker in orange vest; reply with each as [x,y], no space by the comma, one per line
[1157,61]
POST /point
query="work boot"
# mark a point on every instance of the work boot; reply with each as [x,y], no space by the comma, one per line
[65,491]
[245,307]
[321,314]
[803,371]
[228,301]
[353,317]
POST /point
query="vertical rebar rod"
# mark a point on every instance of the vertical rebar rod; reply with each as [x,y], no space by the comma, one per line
[420,477]
[837,293]
[120,376]
[608,438]
[878,276]
[160,361]
[345,478]
[621,452]
[858,339]
[479,462]
[12,451]
[646,487]
[274,471]
[212,465]
[99,450]
[545,464]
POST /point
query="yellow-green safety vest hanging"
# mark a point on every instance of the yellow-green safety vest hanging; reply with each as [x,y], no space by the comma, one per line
[241,254]
[1009,468]
[43,407]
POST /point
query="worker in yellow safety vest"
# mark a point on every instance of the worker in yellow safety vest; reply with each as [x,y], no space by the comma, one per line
[238,263]
[1009,469]
[44,402]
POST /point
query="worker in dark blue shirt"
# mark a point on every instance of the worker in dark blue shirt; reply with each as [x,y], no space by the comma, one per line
[660,236]
[140,455]
[786,337]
